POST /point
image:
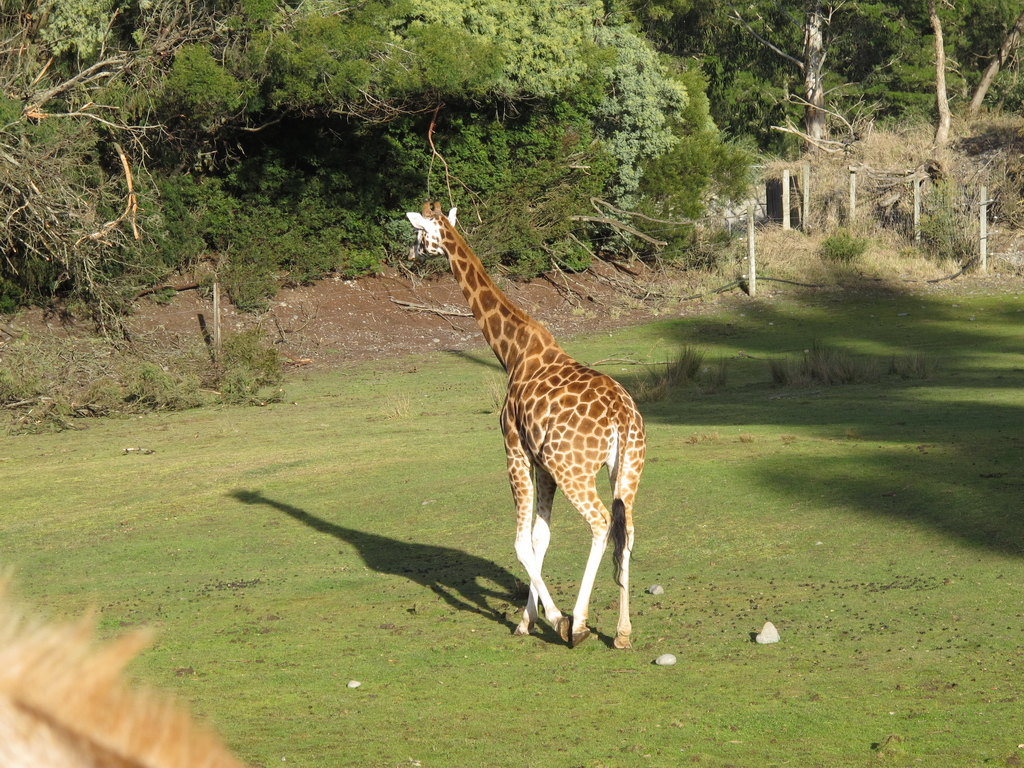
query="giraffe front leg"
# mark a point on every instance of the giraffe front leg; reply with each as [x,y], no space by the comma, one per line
[529,621]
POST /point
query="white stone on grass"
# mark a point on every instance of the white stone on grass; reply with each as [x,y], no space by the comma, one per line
[768,634]
[354,683]
[656,589]
[665,660]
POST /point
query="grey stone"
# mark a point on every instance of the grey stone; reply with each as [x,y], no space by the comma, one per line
[665,660]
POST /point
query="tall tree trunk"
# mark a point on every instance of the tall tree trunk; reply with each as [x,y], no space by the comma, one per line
[814,65]
[942,130]
[1010,43]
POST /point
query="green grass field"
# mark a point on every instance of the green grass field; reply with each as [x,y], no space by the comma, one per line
[362,529]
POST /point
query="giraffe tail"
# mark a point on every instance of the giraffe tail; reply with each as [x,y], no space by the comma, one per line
[618,536]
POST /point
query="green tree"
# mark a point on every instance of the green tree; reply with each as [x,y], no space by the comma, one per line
[286,141]
[756,58]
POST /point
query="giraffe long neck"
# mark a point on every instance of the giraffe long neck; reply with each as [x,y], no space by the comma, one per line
[517,339]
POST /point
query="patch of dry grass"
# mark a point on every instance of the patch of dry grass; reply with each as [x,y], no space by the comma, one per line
[659,380]
[823,365]
[827,365]
[495,388]
[396,407]
[912,365]
[985,152]
[49,381]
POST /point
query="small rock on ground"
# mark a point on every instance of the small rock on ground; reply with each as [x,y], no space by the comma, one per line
[665,660]
[768,634]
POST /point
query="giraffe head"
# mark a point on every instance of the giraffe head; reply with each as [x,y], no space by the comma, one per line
[428,228]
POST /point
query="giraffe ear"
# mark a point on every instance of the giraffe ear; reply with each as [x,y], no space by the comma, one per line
[451,216]
[417,220]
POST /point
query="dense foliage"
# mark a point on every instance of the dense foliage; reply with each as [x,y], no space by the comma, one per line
[279,142]
[879,58]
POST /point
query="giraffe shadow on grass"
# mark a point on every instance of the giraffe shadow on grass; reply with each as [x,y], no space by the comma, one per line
[465,582]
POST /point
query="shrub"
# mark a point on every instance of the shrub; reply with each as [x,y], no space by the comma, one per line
[17,385]
[151,387]
[249,364]
[49,382]
[949,224]
[842,248]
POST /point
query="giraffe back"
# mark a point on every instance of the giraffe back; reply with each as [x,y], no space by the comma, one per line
[572,420]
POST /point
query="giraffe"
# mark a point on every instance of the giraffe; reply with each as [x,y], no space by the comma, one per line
[64,703]
[561,423]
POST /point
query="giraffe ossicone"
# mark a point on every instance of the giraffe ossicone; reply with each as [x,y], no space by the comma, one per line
[562,422]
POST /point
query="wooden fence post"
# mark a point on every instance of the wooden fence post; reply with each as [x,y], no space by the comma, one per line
[983,221]
[853,194]
[786,224]
[751,267]
[216,320]
[917,210]
[806,218]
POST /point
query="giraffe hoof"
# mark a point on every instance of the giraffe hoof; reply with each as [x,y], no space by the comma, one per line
[523,630]
[563,625]
[622,643]
[579,637]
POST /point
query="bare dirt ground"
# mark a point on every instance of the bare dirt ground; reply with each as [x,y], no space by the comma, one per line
[335,321]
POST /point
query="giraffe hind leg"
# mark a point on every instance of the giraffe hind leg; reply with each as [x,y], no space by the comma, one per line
[532,537]
[622,538]
[589,505]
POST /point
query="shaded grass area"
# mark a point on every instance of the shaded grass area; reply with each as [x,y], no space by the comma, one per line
[282,552]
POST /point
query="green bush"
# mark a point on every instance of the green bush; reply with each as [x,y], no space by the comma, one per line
[10,297]
[202,88]
[948,223]
[842,248]
[18,384]
[249,364]
[148,386]
[701,164]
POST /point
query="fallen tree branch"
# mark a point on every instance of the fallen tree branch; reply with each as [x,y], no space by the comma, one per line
[951,277]
[443,311]
[836,146]
[724,288]
[620,225]
[11,331]
[295,360]
[789,282]
[35,102]
[131,207]
[22,403]
[155,288]
[595,201]
[625,361]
